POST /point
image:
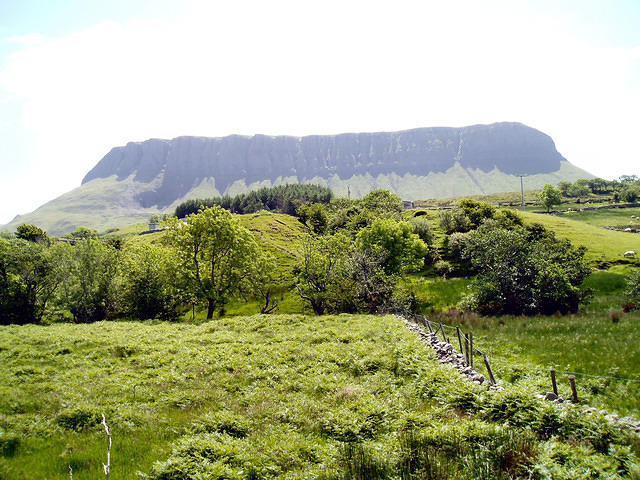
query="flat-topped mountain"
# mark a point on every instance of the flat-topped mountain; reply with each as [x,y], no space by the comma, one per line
[132,181]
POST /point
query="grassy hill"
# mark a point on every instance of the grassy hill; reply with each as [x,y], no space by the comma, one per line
[284,396]
[602,245]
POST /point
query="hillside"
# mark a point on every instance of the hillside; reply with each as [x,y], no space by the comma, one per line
[278,396]
[133,181]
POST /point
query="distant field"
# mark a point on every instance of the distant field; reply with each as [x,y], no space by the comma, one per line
[607,217]
[602,245]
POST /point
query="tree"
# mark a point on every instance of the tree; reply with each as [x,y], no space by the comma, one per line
[476,211]
[28,280]
[383,202]
[455,220]
[403,250]
[216,254]
[82,233]
[89,274]
[260,282]
[422,228]
[148,282]
[632,292]
[549,196]
[322,276]
[314,216]
[33,234]
[521,271]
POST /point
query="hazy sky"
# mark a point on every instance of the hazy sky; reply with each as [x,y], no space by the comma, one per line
[79,77]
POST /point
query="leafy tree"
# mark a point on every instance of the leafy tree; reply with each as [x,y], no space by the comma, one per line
[549,196]
[564,187]
[507,218]
[631,195]
[314,216]
[374,287]
[454,220]
[216,254]
[383,202]
[89,273]
[578,190]
[524,272]
[28,280]
[333,277]
[149,286]
[261,282]
[476,211]
[403,249]
[33,234]
[82,233]
[322,276]
[422,228]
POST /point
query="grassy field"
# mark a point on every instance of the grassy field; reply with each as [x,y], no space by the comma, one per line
[286,396]
[607,218]
[600,340]
[602,245]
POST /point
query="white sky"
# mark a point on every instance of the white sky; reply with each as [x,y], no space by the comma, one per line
[217,68]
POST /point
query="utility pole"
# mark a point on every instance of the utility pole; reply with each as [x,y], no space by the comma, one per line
[349,191]
[522,190]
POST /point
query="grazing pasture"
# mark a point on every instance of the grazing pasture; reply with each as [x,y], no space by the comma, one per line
[279,396]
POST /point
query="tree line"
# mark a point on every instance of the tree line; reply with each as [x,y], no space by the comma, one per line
[626,188]
[352,259]
[283,199]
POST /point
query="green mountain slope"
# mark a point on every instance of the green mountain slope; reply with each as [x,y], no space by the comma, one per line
[105,203]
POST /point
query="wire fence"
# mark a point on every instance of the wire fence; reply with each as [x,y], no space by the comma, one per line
[468,349]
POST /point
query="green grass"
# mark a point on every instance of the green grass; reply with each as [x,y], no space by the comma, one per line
[284,396]
[602,245]
[607,217]
[597,341]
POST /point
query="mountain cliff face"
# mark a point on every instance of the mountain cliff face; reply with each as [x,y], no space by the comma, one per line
[132,182]
[183,163]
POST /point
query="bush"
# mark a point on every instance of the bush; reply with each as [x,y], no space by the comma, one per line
[78,418]
[520,273]
[633,292]
[8,444]
[422,228]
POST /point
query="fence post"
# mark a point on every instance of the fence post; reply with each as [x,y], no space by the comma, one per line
[471,349]
[553,381]
[574,391]
[428,325]
[491,377]
[466,350]
[460,340]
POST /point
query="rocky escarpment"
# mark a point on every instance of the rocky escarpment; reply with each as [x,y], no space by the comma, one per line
[177,166]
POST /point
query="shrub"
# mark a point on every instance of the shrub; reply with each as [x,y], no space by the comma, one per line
[78,418]
[520,273]
[633,292]
[8,444]
[422,228]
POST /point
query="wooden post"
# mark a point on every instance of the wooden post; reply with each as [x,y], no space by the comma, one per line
[471,349]
[574,391]
[491,377]
[460,340]
[554,385]
[444,335]
[428,324]
[466,350]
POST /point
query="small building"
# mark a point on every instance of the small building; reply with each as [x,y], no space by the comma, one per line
[154,227]
[407,204]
